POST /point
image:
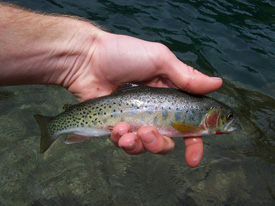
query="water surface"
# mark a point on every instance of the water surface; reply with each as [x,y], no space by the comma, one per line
[231,39]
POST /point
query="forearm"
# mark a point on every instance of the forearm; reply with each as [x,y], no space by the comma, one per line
[40,49]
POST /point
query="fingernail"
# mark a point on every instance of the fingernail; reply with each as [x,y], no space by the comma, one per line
[148,138]
[130,147]
[216,78]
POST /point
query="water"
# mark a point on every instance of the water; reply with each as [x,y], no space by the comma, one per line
[231,39]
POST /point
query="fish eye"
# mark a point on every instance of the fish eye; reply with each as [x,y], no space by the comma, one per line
[229,116]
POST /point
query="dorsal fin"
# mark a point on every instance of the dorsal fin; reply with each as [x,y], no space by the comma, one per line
[128,86]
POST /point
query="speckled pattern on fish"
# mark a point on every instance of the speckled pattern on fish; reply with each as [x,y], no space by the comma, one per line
[173,112]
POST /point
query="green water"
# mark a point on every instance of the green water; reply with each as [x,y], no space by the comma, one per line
[231,39]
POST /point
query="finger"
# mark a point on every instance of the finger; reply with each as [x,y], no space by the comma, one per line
[155,142]
[193,151]
[131,144]
[119,130]
[196,82]
[189,79]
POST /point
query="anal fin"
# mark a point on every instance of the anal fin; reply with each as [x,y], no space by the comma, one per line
[76,139]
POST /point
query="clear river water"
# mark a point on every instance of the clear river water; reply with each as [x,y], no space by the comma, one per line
[234,40]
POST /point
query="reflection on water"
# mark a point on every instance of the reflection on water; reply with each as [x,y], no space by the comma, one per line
[234,41]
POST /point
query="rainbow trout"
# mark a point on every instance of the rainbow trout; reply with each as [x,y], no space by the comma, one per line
[173,112]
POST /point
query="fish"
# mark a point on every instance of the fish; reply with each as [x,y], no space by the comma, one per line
[172,112]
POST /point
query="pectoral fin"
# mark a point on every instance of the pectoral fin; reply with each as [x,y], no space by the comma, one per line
[185,128]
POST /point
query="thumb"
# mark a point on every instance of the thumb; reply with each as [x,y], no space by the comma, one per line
[190,80]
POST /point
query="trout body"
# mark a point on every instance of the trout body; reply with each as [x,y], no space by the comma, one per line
[173,112]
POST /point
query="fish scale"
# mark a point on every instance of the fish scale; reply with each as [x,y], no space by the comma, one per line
[173,112]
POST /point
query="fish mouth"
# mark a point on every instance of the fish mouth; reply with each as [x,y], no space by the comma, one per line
[230,128]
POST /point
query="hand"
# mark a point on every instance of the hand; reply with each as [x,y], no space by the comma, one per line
[90,63]
[117,59]
[148,139]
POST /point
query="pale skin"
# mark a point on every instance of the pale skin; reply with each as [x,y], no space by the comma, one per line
[89,62]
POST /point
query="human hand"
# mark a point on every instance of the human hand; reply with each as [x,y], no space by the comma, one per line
[90,63]
[148,139]
[116,59]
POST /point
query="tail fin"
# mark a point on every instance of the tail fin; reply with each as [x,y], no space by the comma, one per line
[46,139]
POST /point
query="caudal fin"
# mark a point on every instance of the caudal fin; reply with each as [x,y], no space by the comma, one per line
[46,139]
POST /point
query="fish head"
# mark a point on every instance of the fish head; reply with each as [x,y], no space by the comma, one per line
[220,120]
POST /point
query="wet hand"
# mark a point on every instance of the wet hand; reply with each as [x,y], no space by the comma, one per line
[116,59]
[90,62]
[148,139]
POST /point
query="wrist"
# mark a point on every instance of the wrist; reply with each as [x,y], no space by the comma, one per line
[69,53]
[40,49]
